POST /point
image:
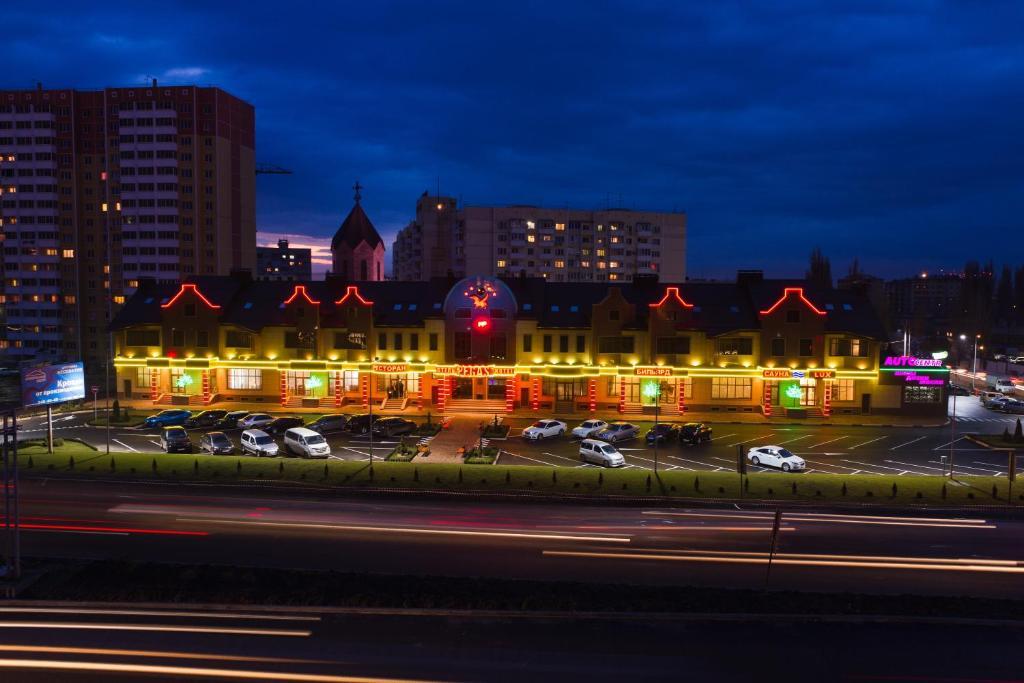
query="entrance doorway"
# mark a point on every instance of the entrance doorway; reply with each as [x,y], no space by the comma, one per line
[295,381]
[462,388]
[808,391]
[496,388]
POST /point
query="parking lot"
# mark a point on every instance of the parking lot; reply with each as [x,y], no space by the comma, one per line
[829,448]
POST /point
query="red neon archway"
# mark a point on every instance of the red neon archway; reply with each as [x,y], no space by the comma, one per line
[353,291]
[790,291]
[300,290]
[672,292]
[189,287]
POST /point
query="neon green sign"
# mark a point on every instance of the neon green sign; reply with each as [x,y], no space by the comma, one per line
[313,382]
[185,381]
[793,391]
[651,390]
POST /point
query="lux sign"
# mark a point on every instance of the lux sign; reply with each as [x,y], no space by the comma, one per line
[475,370]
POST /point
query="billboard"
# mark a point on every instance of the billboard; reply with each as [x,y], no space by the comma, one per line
[52,384]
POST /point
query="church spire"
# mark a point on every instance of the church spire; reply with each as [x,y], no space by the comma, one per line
[357,187]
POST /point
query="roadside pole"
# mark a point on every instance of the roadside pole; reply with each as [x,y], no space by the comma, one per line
[1011,474]
[49,429]
[371,380]
[657,406]
[741,465]
[774,543]
[95,402]
[106,404]
[952,436]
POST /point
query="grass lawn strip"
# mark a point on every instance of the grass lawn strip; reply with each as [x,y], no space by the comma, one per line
[79,459]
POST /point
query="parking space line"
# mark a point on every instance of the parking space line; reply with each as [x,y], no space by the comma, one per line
[560,456]
[755,438]
[698,462]
[867,442]
[914,464]
[830,464]
[524,457]
[948,443]
[908,443]
[805,436]
[829,441]
[125,445]
[871,464]
[968,467]
[155,443]
[723,436]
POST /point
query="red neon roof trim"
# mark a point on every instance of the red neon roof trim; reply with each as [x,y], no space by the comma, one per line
[673,292]
[352,290]
[300,290]
[799,291]
[188,286]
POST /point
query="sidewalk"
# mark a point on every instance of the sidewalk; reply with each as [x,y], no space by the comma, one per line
[473,419]
[460,432]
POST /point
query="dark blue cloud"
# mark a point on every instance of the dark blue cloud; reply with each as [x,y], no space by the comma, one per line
[889,130]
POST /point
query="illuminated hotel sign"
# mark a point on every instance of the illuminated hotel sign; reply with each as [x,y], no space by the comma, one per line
[911,362]
[912,377]
[476,370]
[390,367]
[652,372]
[785,373]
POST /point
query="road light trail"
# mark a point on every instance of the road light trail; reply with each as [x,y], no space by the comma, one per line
[160,628]
[158,613]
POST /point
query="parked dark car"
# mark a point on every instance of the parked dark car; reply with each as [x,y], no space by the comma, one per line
[360,424]
[393,426]
[175,440]
[280,424]
[168,418]
[663,432]
[207,418]
[329,424]
[230,420]
[216,443]
[693,433]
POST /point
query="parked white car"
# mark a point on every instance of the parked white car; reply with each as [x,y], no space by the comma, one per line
[589,428]
[776,456]
[257,442]
[543,429]
[306,443]
[255,421]
[600,453]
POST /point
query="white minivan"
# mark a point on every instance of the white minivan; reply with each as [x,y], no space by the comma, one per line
[306,443]
[600,453]
[257,442]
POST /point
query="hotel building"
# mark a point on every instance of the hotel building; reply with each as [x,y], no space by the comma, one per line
[103,188]
[779,348]
[560,245]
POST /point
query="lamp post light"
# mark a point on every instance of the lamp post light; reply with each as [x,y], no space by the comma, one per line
[974,363]
[652,390]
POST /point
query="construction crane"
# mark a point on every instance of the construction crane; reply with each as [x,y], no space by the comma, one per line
[269,169]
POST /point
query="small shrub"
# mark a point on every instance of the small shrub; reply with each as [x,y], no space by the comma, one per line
[818,493]
[30,463]
[117,411]
[415,474]
[600,478]
[894,489]
[794,488]
[970,495]
[844,488]
[154,465]
[575,484]
[696,483]
[868,494]
[71,462]
[648,482]
[721,489]
[672,488]
[460,475]
[625,486]
[326,471]
[920,495]
[554,476]
[943,491]
[238,466]
[771,492]
[995,491]
[280,467]
[195,466]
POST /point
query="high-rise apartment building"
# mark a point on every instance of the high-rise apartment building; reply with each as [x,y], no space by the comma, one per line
[284,262]
[561,245]
[102,188]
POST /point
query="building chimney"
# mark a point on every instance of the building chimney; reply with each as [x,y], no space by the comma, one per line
[282,244]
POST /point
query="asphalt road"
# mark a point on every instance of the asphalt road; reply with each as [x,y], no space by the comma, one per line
[836,449]
[118,643]
[263,526]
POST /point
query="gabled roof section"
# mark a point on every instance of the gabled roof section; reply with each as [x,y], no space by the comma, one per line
[186,289]
[356,228]
[352,292]
[673,293]
[300,291]
[790,293]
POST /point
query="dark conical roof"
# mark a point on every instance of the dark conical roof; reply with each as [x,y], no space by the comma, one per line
[356,228]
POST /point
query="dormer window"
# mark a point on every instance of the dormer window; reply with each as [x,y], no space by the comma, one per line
[190,310]
[793,316]
[613,315]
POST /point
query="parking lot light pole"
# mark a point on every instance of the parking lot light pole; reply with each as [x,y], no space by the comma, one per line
[974,364]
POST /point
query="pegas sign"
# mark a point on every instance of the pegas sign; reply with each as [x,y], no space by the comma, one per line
[476,370]
[911,362]
[52,384]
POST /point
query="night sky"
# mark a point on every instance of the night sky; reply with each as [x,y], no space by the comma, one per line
[888,130]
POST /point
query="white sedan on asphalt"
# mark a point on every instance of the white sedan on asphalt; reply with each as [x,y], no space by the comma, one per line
[588,428]
[776,456]
[543,429]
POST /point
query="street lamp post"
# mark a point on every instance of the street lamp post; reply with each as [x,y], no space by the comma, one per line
[974,363]
[653,390]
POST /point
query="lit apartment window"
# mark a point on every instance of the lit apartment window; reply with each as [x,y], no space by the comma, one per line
[531,238]
[559,264]
[69,253]
[613,276]
[559,227]
[69,299]
[584,264]
[613,264]
[601,265]
[501,263]
[119,299]
[600,252]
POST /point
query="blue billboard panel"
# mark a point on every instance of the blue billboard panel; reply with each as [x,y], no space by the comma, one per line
[52,384]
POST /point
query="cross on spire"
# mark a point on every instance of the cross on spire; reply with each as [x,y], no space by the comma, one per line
[357,187]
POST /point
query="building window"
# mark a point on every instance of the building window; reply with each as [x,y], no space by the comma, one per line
[202,339]
[615,345]
[143,378]
[433,341]
[178,338]
[844,390]
[735,346]
[793,316]
[778,346]
[673,345]
[613,315]
[916,394]
[848,347]
[190,310]
[414,341]
[245,379]
[238,340]
[142,338]
[398,341]
[498,347]
[382,341]
[731,387]
[350,380]
[806,348]
[563,343]
[527,343]
[463,345]
[547,343]
[581,343]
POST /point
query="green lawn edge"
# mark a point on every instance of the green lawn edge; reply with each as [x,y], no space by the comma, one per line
[80,460]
